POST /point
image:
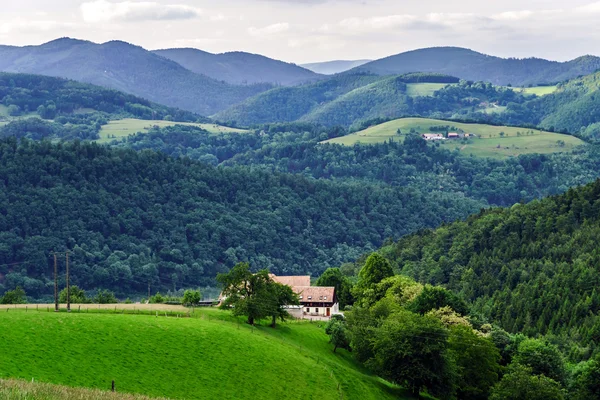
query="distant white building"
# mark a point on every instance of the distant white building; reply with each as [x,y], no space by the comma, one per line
[315,301]
[433,136]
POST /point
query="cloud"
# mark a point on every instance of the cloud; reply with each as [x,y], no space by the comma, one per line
[269,30]
[513,15]
[592,7]
[105,11]
[26,26]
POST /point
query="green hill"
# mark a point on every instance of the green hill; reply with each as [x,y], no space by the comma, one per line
[333,67]
[128,68]
[529,268]
[471,65]
[239,67]
[208,356]
[491,141]
[131,218]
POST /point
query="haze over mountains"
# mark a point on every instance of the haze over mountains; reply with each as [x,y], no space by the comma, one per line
[334,67]
[210,84]
[471,65]
[240,67]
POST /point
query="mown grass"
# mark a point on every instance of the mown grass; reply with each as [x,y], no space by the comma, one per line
[22,390]
[538,90]
[423,89]
[120,129]
[210,355]
[489,143]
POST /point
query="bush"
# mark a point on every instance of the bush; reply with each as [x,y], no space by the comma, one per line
[16,296]
[105,297]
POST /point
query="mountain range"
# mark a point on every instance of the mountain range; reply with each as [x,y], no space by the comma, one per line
[471,65]
[334,67]
[240,68]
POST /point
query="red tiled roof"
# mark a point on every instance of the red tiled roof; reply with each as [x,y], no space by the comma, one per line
[315,294]
[292,280]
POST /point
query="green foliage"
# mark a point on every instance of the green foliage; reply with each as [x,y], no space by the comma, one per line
[542,358]
[105,297]
[16,296]
[432,298]
[339,335]
[156,299]
[280,296]
[521,384]
[411,350]
[247,293]
[376,269]
[191,297]
[333,277]
[477,362]
[76,295]
[585,380]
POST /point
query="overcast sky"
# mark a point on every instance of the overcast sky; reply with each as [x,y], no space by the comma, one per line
[315,30]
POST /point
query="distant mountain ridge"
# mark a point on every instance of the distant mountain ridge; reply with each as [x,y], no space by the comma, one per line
[334,67]
[471,65]
[128,68]
[240,67]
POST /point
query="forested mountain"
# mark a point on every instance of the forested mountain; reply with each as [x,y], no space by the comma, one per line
[574,107]
[530,268]
[128,68]
[239,67]
[348,99]
[41,106]
[333,67]
[471,65]
[136,217]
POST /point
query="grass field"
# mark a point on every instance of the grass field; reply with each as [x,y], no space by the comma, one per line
[21,390]
[120,129]
[495,110]
[489,142]
[207,356]
[538,90]
[3,110]
[423,89]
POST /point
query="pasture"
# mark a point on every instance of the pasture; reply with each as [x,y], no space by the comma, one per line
[491,141]
[208,355]
[423,89]
[120,129]
[537,90]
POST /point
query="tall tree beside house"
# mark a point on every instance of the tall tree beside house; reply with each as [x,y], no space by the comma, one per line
[376,269]
[281,296]
[247,293]
[333,277]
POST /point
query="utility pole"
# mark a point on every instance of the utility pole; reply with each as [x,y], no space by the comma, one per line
[68,288]
[148,291]
[55,284]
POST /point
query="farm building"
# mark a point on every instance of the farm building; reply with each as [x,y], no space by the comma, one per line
[453,135]
[433,136]
[315,301]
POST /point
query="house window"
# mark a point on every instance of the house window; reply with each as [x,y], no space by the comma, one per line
[325,297]
[320,297]
[307,309]
[310,297]
[300,297]
[317,310]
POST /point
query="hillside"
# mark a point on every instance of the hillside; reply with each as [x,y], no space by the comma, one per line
[471,65]
[127,68]
[131,218]
[530,268]
[342,100]
[491,141]
[209,355]
[239,67]
[333,67]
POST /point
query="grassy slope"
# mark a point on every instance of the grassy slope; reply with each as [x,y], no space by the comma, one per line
[485,146]
[423,89]
[538,90]
[21,390]
[203,357]
[125,127]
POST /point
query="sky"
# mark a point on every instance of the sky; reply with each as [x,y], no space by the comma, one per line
[302,31]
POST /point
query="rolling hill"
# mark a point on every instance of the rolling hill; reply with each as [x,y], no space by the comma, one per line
[127,68]
[239,67]
[210,355]
[333,67]
[492,141]
[471,65]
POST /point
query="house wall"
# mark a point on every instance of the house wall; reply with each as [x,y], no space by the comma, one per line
[318,309]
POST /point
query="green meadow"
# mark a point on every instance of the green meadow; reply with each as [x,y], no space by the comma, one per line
[120,129]
[209,355]
[423,89]
[491,141]
[537,90]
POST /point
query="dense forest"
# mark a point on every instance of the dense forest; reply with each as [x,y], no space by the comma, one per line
[131,218]
[295,148]
[529,268]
